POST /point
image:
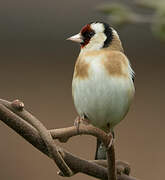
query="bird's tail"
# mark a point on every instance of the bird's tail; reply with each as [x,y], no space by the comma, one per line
[100,150]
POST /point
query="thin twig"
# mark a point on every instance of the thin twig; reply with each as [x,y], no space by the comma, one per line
[121,166]
[111,162]
[12,117]
[63,134]
[46,136]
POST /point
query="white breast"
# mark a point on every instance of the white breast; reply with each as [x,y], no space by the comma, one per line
[103,99]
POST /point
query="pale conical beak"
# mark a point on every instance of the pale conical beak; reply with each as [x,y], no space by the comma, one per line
[76,38]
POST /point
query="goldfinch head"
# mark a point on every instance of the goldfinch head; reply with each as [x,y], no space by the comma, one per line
[95,36]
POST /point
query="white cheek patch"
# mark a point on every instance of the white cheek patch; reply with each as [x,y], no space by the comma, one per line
[96,42]
[97,27]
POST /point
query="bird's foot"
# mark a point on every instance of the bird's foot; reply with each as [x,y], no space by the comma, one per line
[80,120]
[77,123]
[111,140]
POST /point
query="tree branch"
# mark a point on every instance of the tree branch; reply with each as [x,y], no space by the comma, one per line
[16,117]
[111,162]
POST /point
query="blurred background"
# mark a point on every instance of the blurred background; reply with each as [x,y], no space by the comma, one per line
[36,66]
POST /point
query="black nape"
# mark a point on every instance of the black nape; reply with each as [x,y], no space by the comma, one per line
[109,35]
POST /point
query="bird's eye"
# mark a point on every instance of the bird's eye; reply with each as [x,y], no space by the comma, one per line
[91,33]
[88,34]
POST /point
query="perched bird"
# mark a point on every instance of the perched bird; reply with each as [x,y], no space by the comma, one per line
[102,85]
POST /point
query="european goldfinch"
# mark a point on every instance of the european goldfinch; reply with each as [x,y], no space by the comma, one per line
[102,85]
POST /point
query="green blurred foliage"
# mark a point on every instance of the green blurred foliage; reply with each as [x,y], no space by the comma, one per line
[117,13]
[158,26]
[120,14]
[153,4]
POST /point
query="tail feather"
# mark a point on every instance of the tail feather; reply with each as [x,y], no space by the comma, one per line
[100,151]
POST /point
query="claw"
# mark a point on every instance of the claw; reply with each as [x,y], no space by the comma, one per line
[79,120]
[77,123]
[111,140]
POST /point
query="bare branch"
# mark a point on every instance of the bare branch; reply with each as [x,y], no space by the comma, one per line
[122,167]
[63,134]
[26,125]
[111,162]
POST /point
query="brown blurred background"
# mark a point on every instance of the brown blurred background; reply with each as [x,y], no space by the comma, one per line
[36,66]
